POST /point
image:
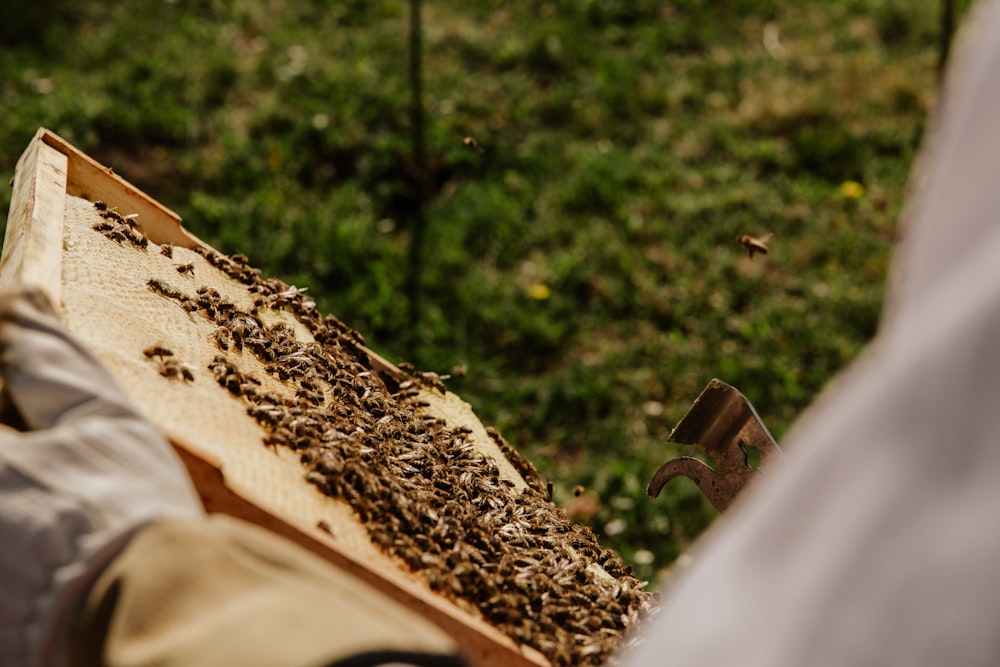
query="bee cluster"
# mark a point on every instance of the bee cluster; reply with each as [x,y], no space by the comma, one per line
[424,492]
[119,228]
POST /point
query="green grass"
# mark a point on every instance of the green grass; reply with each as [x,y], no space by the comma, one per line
[582,269]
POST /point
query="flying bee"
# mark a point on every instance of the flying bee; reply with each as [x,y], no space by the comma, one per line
[754,244]
[473,144]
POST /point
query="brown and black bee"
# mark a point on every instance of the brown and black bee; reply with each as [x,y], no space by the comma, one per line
[753,244]
[473,144]
[171,368]
[185,269]
[223,338]
[157,351]
[163,289]
[168,365]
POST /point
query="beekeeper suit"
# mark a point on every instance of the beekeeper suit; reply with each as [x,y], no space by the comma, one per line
[106,557]
[878,540]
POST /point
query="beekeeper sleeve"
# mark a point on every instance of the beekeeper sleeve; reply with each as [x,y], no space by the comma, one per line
[85,472]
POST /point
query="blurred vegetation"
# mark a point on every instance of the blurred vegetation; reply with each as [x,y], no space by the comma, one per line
[582,279]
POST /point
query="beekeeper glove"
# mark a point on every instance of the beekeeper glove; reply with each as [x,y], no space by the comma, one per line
[84,471]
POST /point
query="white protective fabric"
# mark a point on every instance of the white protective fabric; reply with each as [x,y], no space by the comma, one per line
[86,472]
[877,541]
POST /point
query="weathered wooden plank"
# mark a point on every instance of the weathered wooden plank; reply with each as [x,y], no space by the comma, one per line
[32,248]
[89,179]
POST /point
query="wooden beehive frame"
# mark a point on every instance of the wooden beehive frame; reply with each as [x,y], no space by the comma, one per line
[48,171]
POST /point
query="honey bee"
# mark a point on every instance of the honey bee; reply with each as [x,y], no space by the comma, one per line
[313,397]
[157,351]
[277,437]
[266,413]
[754,244]
[472,144]
[222,337]
[160,287]
[171,368]
[167,250]
[185,269]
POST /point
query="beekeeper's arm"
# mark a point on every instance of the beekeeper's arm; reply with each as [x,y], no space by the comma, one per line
[83,475]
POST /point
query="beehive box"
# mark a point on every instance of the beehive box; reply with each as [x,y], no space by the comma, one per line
[284,418]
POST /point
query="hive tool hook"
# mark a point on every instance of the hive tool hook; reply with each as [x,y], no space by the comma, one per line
[723,424]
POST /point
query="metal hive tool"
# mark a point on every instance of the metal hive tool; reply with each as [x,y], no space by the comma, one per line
[723,424]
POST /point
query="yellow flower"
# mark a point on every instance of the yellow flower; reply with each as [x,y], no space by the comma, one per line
[851,189]
[539,291]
